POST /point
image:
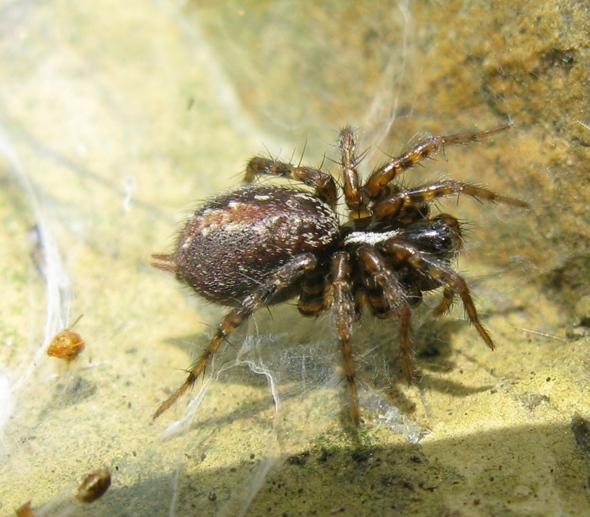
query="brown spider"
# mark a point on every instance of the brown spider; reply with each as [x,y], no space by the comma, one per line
[259,245]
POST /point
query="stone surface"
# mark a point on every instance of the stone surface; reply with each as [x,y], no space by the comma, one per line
[118,119]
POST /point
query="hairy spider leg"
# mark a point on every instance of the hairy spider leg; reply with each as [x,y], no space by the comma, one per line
[345,315]
[311,298]
[427,148]
[322,181]
[395,204]
[386,296]
[445,303]
[348,162]
[284,277]
[440,270]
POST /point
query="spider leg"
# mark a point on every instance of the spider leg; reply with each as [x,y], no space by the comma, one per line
[284,277]
[311,298]
[445,303]
[396,203]
[164,262]
[386,297]
[322,181]
[345,313]
[349,160]
[422,150]
[440,270]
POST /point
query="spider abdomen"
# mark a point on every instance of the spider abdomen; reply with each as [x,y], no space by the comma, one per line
[236,240]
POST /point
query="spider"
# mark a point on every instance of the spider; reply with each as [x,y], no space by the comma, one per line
[259,245]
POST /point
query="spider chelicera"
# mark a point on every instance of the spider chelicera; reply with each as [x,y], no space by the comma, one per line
[259,245]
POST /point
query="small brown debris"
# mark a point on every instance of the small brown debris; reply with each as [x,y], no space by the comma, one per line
[94,485]
[67,345]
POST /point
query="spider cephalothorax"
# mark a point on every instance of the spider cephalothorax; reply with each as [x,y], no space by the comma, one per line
[258,245]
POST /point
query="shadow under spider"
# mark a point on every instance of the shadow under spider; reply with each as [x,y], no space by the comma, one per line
[285,354]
